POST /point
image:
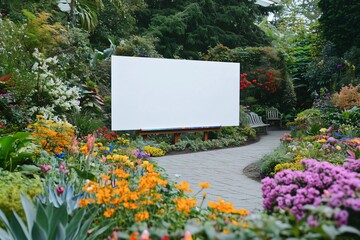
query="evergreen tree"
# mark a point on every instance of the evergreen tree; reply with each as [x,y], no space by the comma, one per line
[188,28]
[338,23]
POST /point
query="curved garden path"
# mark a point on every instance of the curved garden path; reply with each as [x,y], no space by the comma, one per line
[223,169]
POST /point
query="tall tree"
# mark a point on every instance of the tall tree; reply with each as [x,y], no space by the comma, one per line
[339,21]
[187,28]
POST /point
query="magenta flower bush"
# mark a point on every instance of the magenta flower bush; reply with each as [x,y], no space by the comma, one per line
[321,183]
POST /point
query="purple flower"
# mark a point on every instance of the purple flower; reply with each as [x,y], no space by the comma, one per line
[332,140]
[142,154]
[341,217]
[312,221]
[339,66]
[45,168]
[320,184]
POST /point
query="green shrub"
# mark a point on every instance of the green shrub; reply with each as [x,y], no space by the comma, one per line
[85,122]
[248,131]
[269,161]
[309,121]
[11,185]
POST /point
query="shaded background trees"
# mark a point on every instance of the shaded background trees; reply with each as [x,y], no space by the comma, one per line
[188,29]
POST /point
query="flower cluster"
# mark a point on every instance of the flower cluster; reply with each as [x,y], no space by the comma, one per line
[262,79]
[59,96]
[121,193]
[153,151]
[55,137]
[320,183]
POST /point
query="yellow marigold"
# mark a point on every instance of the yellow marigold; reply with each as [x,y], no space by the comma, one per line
[141,216]
[108,213]
[153,151]
[184,186]
[298,158]
[292,166]
[145,164]
[204,185]
[84,202]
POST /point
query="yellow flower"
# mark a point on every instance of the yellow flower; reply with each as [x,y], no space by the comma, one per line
[321,141]
[204,185]
[145,164]
[323,130]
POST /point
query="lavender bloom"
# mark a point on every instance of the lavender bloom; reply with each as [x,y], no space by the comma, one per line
[320,184]
[141,154]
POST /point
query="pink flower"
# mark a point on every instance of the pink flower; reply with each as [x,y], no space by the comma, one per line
[59,190]
[75,146]
[187,236]
[145,235]
[45,168]
[90,141]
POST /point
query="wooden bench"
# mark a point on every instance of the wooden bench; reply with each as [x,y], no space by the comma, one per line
[272,114]
[177,132]
[255,121]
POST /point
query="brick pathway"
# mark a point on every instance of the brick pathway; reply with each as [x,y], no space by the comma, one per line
[223,169]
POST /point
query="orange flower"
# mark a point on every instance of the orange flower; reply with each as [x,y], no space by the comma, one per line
[204,185]
[108,213]
[184,205]
[84,202]
[141,216]
[184,186]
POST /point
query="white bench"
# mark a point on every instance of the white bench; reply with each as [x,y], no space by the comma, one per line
[255,121]
[272,114]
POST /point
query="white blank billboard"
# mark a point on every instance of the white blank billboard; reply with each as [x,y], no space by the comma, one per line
[157,93]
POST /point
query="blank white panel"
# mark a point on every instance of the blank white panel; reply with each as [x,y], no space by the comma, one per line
[156,93]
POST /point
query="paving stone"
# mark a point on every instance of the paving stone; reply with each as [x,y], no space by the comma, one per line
[223,169]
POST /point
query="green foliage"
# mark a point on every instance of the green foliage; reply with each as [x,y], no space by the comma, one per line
[40,33]
[114,25]
[200,145]
[49,222]
[248,131]
[11,185]
[337,20]
[188,28]
[85,122]
[15,150]
[138,46]
[309,121]
[269,161]
[272,86]
[69,197]
[324,72]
